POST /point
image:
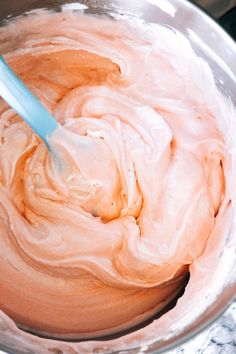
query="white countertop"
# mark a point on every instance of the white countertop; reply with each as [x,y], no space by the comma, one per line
[220,338]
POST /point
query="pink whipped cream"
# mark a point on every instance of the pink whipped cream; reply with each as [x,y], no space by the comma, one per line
[143,196]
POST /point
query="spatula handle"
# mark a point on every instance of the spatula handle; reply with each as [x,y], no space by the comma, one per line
[19,97]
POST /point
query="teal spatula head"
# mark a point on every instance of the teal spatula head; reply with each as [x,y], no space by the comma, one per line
[19,97]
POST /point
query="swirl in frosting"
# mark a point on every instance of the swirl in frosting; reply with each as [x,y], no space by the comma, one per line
[105,242]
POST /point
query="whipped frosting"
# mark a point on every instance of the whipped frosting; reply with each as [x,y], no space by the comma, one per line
[143,195]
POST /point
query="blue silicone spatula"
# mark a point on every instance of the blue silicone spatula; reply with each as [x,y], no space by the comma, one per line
[19,97]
